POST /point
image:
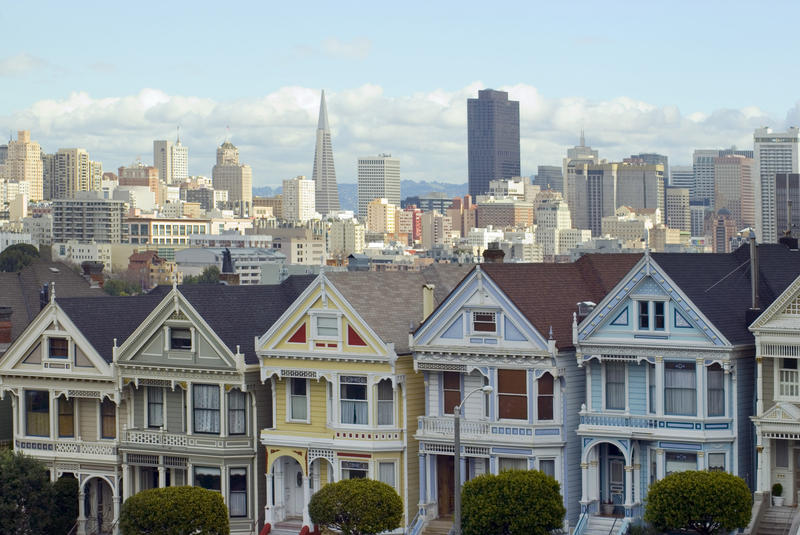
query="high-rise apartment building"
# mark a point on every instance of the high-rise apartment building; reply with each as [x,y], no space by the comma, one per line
[787,203]
[774,152]
[345,238]
[682,176]
[235,178]
[703,167]
[652,158]
[298,199]
[678,215]
[139,174]
[378,178]
[171,160]
[72,171]
[23,163]
[492,139]
[733,188]
[591,194]
[382,216]
[324,173]
[550,177]
[86,217]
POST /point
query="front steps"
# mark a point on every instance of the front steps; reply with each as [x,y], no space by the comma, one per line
[440,526]
[291,526]
[776,521]
[601,525]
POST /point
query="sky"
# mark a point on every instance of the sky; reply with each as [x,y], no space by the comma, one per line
[636,76]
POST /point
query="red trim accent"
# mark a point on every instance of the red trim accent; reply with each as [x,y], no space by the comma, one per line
[353,339]
[299,336]
[266,529]
[344,454]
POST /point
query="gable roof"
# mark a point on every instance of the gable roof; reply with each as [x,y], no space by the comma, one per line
[20,291]
[237,314]
[548,294]
[719,283]
[391,301]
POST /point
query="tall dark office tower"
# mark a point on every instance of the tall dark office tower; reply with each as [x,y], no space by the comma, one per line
[324,173]
[787,204]
[493,139]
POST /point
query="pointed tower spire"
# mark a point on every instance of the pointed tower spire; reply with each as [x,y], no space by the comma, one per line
[322,124]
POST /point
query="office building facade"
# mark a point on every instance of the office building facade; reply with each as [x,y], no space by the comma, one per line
[774,152]
[378,178]
[493,139]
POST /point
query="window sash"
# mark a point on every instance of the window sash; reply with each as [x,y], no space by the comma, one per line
[206,408]
[155,407]
[512,399]
[66,417]
[680,462]
[716,462]
[716,391]
[108,413]
[485,322]
[180,339]
[59,348]
[544,405]
[451,388]
[237,483]
[651,387]
[385,403]
[658,315]
[512,463]
[644,314]
[615,385]
[237,412]
[386,473]
[680,389]
[328,326]
[37,413]
[548,466]
[208,477]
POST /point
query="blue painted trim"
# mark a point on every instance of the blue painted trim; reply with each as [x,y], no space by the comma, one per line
[675,316]
[548,431]
[680,446]
[513,451]
[455,331]
[619,320]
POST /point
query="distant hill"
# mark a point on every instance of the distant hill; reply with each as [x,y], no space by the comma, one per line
[348,193]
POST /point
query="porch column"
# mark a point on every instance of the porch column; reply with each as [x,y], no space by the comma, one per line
[594,467]
[223,411]
[584,482]
[463,473]
[423,489]
[52,415]
[660,464]
[700,376]
[162,475]
[81,512]
[126,481]
[116,499]
[759,458]
[189,423]
[659,386]
[306,499]
[759,387]
[189,474]
[628,486]
[268,508]
[767,460]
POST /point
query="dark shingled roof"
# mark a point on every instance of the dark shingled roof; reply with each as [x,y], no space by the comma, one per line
[719,284]
[391,301]
[236,313]
[548,294]
[20,291]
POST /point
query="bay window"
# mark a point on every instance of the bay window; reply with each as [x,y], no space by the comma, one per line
[208,477]
[512,463]
[680,462]
[680,388]
[386,473]
[512,394]
[548,466]
[237,412]
[615,385]
[716,462]
[385,403]
[544,403]
[353,394]
[37,413]
[206,409]
[716,390]
[651,387]
[451,388]
[354,470]
[237,485]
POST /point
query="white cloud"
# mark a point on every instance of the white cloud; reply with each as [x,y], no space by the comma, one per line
[427,131]
[20,64]
[358,48]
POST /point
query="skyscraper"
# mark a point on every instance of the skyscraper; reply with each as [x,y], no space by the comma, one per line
[578,155]
[23,163]
[492,138]
[298,199]
[677,206]
[236,179]
[171,160]
[73,171]
[652,158]
[774,152]
[550,177]
[682,176]
[733,188]
[378,178]
[787,203]
[324,174]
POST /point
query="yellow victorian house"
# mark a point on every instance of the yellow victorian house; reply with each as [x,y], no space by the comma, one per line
[345,395]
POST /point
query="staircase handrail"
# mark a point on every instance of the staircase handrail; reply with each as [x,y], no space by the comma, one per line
[761,501]
[580,526]
[415,526]
[623,528]
[611,531]
[794,528]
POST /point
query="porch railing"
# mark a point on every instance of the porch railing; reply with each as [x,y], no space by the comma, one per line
[65,447]
[442,426]
[653,422]
[789,383]
[145,437]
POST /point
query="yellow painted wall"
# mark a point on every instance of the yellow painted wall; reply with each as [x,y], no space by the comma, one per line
[415,407]
[88,414]
[318,410]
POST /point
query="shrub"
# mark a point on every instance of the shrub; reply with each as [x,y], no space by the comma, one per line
[516,502]
[175,511]
[17,256]
[65,505]
[777,489]
[703,502]
[357,507]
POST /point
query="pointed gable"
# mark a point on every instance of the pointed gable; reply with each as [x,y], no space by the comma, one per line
[783,313]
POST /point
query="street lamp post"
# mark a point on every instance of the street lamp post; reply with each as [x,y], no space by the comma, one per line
[457,450]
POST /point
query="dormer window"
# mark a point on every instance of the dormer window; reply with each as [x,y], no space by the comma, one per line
[58,348]
[327,327]
[652,315]
[484,322]
[180,339]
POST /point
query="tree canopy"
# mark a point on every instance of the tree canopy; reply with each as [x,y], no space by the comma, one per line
[210,275]
[121,287]
[29,502]
[17,256]
[699,501]
[175,511]
[357,507]
[515,502]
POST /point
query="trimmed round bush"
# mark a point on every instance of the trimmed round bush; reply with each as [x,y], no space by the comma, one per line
[699,501]
[175,511]
[357,507]
[515,502]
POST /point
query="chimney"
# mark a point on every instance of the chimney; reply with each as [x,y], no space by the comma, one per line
[584,309]
[93,272]
[5,326]
[427,300]
[494,254]
[755,306]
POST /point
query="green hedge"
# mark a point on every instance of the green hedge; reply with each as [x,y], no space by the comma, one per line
[175,511]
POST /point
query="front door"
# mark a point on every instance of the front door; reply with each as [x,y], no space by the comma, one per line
[445,484]
[293,487]
[616,481]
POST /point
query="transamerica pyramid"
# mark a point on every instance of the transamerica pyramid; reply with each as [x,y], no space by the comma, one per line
[324,174]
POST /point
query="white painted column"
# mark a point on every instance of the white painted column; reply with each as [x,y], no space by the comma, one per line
[594,478]
[759,387]
[223,474]
[126,481]
[659,395]
[162,475]
[306,499]
[189,474]
[270,505]
[81,512]
[189,404]
[660,467]
[759,461]
[223,411]
[701,387]
[767,473]
[584,483]
[423,490]
[52,415]
[628,485]
[116,500]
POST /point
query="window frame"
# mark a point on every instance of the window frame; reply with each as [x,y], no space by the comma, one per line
[149,403]
[107,405]
[721,371]
[232,410]
[643,315]
[65,340]
[195,483]
[451,390]
[195,409]
[506,394]
[290,397]
[551,396]
[540,460]
[711,454]
[231,491]
[348,469]
[173,338]
[393,464]
[473,321]
[365,384]
[673,365]
[379,402]
[60,401]
[624,383]
[28,411]
[326,314]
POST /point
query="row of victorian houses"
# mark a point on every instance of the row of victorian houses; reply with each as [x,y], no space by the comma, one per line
[608,374]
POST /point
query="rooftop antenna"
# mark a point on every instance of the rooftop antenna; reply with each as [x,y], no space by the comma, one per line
[179,135]
[227,132]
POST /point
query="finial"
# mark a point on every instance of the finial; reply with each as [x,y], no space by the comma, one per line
[175,282]
[551,333]
[52,291]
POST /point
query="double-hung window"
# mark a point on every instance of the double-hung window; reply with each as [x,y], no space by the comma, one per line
[155,406]
[385,403]
[298,399]
[615,385]
[58,348]
[451,388]
[658,315]
[716,390]
[208,477]
[354,470]
[644,314]
[353,395]
[237,412]
[206,408]
[327,327]
[237,486]
[651,387]
[680,388]
[66,417]
[108,419]
[37,413]
[544,403]
[180,339]
[512,394]
[386,473]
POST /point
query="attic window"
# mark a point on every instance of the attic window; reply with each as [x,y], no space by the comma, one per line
[59,348]
[327,327]
[181,339]
[484,322]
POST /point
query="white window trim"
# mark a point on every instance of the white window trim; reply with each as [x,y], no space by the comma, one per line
[724,459]
[377,470]
[247,490]
[724,393]
[651,314]
[289,418]
[377,405]
[315,314]
[603,389]
[497,318]
[777,363]
[556,465]
[556,400]
[99,411]
[338,401]
[147,407]
[47,335]
[528,398]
